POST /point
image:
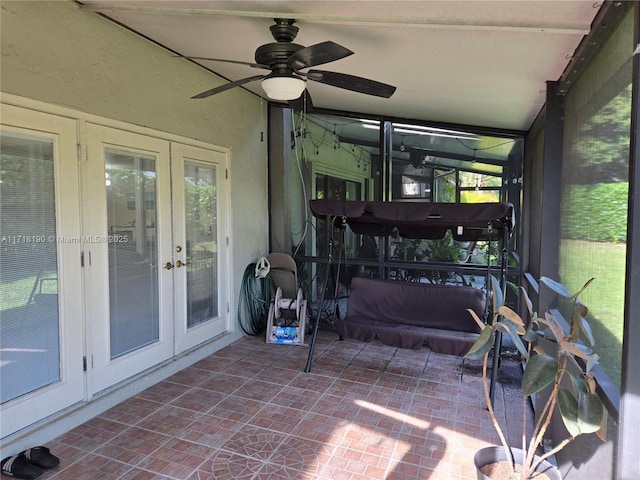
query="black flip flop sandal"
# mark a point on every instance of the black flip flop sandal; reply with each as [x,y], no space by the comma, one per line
[41,457]
[19,467]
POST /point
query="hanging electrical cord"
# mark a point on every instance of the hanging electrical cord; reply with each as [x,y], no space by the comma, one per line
[255,295]
[304,190]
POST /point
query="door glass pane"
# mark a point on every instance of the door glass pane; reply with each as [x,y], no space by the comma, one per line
[344,243]
[444,184]
[478,187]
[132,244]
[201,238]
[334,188]
[29,328]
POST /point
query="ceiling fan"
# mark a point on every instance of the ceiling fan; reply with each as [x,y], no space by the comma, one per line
[285,60]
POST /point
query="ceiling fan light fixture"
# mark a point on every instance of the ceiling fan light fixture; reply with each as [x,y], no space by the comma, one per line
[283,88]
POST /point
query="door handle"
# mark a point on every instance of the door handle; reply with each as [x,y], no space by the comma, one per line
[180,264]
[168,265]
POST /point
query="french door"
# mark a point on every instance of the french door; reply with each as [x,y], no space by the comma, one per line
[41,327]
[155,251]
[200,231]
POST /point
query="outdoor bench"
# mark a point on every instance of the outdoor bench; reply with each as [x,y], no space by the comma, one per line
[410,315]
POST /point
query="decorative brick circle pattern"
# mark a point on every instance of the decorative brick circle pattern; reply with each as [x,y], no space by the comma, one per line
[267,455]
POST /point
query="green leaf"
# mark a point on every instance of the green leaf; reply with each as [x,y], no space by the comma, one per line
[556,287]
[586,329]
[590,412]
[540,371]
[527,301]
[575,349]
[579,383]
[568,405]
[554,326]
[512,330]
[548,334]
[511,316]
[482,345]
[475,316]
[593,361]
[498,296]
[530,336]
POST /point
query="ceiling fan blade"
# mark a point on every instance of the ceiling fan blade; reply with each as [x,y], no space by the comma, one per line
[228,86]
[303,103]
[351,82]
[317,54]
[238,62]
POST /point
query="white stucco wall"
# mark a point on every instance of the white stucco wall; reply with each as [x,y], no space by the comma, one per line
[57,53]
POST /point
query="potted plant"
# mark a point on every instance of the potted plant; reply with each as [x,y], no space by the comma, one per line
[566,372]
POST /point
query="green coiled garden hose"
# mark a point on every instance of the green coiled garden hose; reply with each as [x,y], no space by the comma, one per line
[255,297]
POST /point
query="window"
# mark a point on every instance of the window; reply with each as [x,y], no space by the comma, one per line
[341,157]
[595,190]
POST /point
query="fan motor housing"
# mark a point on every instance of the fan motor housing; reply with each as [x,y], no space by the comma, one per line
[276,52]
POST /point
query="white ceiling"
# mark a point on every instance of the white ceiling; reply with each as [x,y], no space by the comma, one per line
[481,63]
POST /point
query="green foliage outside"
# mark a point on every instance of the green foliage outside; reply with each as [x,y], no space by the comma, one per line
[606,263]
[594,233]
[601,208]
[481,196]
[200,201]
[607,131]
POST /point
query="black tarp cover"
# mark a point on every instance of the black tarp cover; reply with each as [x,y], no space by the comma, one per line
[467,221]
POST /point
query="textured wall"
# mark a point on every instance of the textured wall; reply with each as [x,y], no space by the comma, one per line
[57,53]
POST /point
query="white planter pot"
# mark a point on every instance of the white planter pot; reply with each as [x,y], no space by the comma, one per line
[487,455]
